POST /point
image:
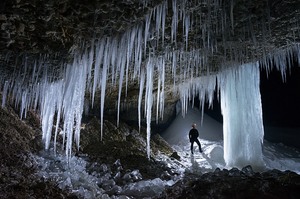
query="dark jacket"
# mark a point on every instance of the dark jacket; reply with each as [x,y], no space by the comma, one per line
[193,135]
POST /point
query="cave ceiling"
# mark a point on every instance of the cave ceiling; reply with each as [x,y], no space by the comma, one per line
[224,31]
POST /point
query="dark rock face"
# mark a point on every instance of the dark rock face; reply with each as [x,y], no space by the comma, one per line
[236,183]
[126,144]
[54,26]
[18,139]
[122,153]
[254,28]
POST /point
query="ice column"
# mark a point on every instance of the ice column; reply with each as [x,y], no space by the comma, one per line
[242,116]
[149,101]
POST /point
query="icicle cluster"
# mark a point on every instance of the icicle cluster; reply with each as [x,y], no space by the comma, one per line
[203,87]
[281,60]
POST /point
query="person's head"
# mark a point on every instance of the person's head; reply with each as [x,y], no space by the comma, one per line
[194,125]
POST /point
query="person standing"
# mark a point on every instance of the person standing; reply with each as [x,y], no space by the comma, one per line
[193,136]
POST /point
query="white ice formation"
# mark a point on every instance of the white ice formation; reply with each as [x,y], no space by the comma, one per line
[141,53]
[243,130]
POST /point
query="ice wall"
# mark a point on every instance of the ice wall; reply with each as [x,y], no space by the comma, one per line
[242,115]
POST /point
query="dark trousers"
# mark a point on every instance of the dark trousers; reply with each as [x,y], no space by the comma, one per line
[192,145]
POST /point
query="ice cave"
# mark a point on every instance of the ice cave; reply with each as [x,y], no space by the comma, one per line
[98,97]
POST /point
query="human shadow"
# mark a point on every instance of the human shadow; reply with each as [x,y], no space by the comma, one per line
[195,165]
[196,168]
[210,161]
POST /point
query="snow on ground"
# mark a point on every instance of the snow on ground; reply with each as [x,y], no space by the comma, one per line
[275,155]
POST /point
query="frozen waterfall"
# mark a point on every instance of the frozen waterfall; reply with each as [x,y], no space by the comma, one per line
[241,109]
[242,115]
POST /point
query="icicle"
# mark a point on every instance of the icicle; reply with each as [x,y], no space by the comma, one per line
[162,95]
[142,82]
[48,111]
[25,69]
[147,27]
[103,85]
[174,68]
[99,56]
[24,103]
[174,21]
[114,51]
[158,90]
[186,28]
[122,68]
[184,92]
[80,105]
[138,51]
[149,101]
[33,72]
[59,94]
[70,83]
[202,111]
[158,13]
[130,42]
[164,13]
[90,63]
[298,53]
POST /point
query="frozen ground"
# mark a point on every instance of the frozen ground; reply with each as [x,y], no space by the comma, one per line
[275,155]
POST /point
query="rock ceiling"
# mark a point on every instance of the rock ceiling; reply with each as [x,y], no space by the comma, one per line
[52,27]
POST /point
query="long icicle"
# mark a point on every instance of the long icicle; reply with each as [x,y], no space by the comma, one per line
[121,66]
[142,82]
[149,99]
[103,83]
